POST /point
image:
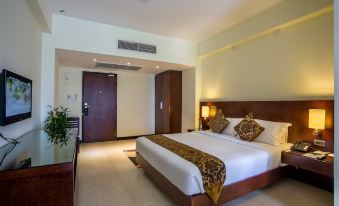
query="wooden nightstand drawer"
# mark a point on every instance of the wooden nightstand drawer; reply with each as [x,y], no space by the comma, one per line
[324,167]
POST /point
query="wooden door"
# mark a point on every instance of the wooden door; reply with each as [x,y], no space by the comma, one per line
[99,122]
[158,103]
[166,108]
[175,108]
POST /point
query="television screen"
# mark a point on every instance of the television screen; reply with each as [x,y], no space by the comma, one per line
[18,96]
[15,97]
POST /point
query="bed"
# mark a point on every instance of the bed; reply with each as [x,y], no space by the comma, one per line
[249,165]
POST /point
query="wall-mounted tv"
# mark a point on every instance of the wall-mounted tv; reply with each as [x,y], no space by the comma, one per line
[15,97]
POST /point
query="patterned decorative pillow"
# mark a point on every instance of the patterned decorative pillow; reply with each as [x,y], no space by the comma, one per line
[218,123]
[248,129]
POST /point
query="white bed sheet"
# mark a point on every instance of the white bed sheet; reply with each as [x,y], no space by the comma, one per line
[242,159]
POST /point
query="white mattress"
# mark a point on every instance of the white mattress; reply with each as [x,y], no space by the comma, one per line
[242,159]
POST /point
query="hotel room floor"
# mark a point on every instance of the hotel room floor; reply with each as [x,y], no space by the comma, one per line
[105,176]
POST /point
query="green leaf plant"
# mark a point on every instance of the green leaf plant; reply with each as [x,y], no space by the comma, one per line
[56,126]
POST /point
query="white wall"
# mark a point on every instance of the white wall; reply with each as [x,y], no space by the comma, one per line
[80,35]
[20,52]
[135,99]
[336,102]
[188,99]
[136,103]
[285,12]
[295,63]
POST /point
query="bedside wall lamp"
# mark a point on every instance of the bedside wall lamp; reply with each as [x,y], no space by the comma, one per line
[205,112]
[316,121]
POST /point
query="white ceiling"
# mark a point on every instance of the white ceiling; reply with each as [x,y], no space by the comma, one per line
[193,20]
[85,60]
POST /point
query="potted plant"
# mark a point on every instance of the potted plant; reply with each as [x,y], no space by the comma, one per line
[56,126]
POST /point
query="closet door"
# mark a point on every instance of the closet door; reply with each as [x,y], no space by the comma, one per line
[175,108]
[166,102]
[158,103]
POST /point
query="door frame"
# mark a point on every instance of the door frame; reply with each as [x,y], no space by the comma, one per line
[116,103]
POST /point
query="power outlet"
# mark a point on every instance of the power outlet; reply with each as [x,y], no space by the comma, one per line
[319,142]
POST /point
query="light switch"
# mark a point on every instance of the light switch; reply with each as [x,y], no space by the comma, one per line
[319,142]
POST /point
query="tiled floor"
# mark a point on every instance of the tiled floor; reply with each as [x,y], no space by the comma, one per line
[107,177]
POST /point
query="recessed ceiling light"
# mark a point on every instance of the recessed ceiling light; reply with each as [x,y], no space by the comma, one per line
[157,66]
[62,11]
[94,60]
[128,63]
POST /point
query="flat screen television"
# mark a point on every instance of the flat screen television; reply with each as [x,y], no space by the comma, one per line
[15,97]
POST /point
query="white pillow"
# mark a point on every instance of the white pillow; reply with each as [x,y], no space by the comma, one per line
[275,133]
[284,132]
[229,130]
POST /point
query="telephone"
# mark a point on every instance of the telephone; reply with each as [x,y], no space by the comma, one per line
[301,146]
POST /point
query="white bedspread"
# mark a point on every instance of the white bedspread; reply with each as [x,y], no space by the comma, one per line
[242,159]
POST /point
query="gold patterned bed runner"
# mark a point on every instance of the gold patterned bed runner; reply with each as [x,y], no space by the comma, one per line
[212,169]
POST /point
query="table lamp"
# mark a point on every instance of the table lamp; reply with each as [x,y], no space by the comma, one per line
[205,112]
[316,121]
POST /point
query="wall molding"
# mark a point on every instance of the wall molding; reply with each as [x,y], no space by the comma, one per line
[38,15]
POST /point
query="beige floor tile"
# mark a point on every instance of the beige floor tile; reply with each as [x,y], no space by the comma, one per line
[288,192]
[108,196]
[90,199]
[99,183]
[142,196]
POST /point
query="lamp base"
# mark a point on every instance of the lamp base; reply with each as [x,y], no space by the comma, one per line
[317,134]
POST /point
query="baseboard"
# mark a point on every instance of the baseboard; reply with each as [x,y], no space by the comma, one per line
[124,138]
[132,137]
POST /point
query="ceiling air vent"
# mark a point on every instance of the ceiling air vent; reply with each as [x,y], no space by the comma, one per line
[133,46]
[117,66]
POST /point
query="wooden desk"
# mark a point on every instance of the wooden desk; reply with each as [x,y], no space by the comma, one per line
[51,177]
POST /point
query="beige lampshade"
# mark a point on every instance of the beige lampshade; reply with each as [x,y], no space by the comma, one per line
[316,119]
[205,110]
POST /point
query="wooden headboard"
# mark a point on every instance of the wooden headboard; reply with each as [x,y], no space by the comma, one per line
[295,112]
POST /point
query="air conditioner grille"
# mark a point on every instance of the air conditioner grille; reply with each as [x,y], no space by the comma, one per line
[134,46]
[117,66]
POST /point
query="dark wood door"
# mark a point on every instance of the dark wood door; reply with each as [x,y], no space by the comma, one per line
[168,103]
[158,103]
[99,107]
[166,110]
[175,108]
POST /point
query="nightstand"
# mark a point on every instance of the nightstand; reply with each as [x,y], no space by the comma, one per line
[323,167]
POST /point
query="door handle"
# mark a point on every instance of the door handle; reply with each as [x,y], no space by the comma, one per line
[85,109]
[86,105]
[161,105]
